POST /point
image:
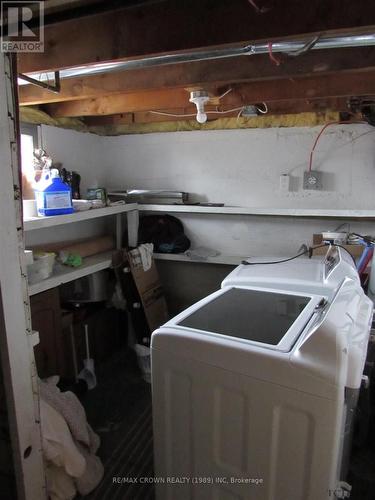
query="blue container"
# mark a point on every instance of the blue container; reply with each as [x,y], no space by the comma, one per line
[53,196]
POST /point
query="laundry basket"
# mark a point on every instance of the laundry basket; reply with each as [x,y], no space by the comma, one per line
[144,361]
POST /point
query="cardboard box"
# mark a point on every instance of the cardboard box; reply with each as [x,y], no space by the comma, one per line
[150,291]
[355,250]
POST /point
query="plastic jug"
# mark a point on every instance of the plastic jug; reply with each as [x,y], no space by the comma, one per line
[53,196]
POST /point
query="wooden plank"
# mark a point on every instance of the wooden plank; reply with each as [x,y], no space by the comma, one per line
[274,108]
[121,103]
[174,26]
[243,94]
[16,339]
[220,73]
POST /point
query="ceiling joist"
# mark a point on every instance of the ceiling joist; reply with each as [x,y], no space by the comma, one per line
[200,74]
[173,25]
[328,86]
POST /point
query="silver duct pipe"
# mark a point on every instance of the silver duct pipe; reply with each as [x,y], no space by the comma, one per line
[289,47]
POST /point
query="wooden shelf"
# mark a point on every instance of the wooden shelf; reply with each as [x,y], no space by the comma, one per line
[66,274]
[275,212]
[94,213]
[230,260]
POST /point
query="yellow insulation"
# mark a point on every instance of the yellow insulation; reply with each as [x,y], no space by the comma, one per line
[30,114]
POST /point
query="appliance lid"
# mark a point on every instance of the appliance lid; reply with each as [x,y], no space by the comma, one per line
[267,318]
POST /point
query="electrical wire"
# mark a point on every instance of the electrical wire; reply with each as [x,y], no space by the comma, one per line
[172,114]
[367,238]
[217,112]
[258,10]
[225,93]
[240,113]
[163,113]
[320,134]
[226,111]
[272,57]
[310,251]
[263,111]
[347,251]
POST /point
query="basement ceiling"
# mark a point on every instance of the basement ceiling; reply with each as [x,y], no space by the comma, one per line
[86,33]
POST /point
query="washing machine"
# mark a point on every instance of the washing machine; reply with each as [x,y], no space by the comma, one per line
[254,387]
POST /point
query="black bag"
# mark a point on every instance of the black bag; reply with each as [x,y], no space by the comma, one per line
[165,232]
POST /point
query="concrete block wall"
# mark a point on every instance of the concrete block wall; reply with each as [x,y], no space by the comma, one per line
[238,168]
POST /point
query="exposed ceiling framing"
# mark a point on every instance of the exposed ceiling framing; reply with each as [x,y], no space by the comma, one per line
[317,81]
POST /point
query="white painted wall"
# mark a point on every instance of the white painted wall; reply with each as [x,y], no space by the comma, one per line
[242,167]
[237,167]
[82,152]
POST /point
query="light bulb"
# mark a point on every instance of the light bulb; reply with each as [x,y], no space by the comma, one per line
[201,117]
[200,98]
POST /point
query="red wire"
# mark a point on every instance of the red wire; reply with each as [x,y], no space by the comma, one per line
[320,134]
[272,57]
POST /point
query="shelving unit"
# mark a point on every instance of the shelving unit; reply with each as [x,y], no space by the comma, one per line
[132,210]
[230,260]
[66,274]
[94,213]
[246,211]
[90,264]
[275,212]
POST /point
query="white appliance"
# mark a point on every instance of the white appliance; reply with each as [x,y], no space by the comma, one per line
[254,386]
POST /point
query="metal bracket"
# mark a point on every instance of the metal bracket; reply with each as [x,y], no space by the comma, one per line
[46,86]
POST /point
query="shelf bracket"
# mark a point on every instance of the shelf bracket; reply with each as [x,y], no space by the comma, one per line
[46,86]
[118,231]
[133,224]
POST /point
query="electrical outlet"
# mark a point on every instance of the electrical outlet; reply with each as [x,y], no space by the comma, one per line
[312,180]
[284,183]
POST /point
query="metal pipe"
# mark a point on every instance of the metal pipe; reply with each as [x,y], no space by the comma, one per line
[322,43]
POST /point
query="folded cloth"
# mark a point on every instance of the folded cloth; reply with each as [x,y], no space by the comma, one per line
[145,251]
[69,406]
[78,461]
[93,473]
[63,460]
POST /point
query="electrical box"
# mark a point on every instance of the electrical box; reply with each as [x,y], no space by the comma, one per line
[312,180]
[284,183]
[249,111]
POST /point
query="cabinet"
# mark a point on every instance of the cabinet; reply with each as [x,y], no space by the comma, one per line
[46,319]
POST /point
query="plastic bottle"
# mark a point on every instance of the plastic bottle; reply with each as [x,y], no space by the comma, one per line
[53,196]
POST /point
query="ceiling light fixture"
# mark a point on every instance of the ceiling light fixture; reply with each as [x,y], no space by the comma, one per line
[200,98]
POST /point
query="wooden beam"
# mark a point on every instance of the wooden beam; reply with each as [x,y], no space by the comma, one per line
[243,94]
[120,103]
[174,26]
[219,73]
[274,108]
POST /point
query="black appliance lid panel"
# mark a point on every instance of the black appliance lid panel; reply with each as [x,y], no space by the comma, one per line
[254,315]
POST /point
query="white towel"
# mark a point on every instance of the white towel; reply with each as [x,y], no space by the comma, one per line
[146,251]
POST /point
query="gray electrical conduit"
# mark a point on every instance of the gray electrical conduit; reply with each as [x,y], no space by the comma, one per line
[292,48]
